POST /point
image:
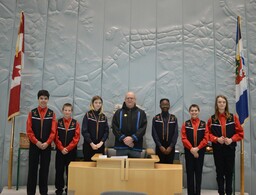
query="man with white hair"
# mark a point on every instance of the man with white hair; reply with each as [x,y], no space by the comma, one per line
[129,126]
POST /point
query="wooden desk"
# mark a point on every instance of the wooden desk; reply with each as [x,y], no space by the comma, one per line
[140,175]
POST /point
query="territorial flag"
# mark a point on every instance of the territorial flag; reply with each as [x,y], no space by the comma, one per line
[241,82]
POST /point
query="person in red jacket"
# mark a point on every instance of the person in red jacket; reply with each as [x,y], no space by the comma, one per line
[194,136]
[41,129]
[67,138]
[225,130]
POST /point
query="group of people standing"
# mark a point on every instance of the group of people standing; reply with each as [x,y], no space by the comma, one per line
[223,130]
[129,126]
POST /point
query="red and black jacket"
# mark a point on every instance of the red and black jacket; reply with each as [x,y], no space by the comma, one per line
[42,127]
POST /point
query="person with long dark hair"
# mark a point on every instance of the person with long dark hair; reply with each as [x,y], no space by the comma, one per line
[225,130]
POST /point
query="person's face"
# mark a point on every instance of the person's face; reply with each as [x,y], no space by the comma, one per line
[42,101]
[97,104]
[67,111]
[194,112]
[221,104]
[165,106]
[130,100]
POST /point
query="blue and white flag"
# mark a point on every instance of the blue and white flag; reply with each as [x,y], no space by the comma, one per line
[241,82]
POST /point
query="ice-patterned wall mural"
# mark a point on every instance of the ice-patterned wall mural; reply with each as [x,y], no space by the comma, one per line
[180,49]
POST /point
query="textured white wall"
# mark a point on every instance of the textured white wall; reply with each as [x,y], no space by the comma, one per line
[181,49]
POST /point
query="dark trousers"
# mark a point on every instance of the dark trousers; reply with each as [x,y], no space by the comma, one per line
[42,157]
[167,159]
[61,164]
[224,159]
[89,152]
[194,168]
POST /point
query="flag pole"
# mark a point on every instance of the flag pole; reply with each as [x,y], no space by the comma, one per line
[242,168]
[11,155]
[242,141]
[14,102]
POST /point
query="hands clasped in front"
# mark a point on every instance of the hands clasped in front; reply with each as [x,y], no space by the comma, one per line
[96,146]
[194,151]
[128,141]
[41,145]
[224,140]
[165,151]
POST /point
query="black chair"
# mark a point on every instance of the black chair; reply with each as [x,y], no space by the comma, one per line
[112,152]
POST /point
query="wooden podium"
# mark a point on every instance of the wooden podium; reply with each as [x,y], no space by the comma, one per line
[124,174]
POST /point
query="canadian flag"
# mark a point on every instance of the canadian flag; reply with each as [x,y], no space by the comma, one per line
[14,102]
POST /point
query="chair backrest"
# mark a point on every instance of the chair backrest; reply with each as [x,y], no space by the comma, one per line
[112,152]
[122,193]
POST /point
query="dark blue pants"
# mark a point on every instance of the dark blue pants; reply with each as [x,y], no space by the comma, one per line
[224,159]
[42,157]
[194,168]
[89,152]
[61,166]
[167,159]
